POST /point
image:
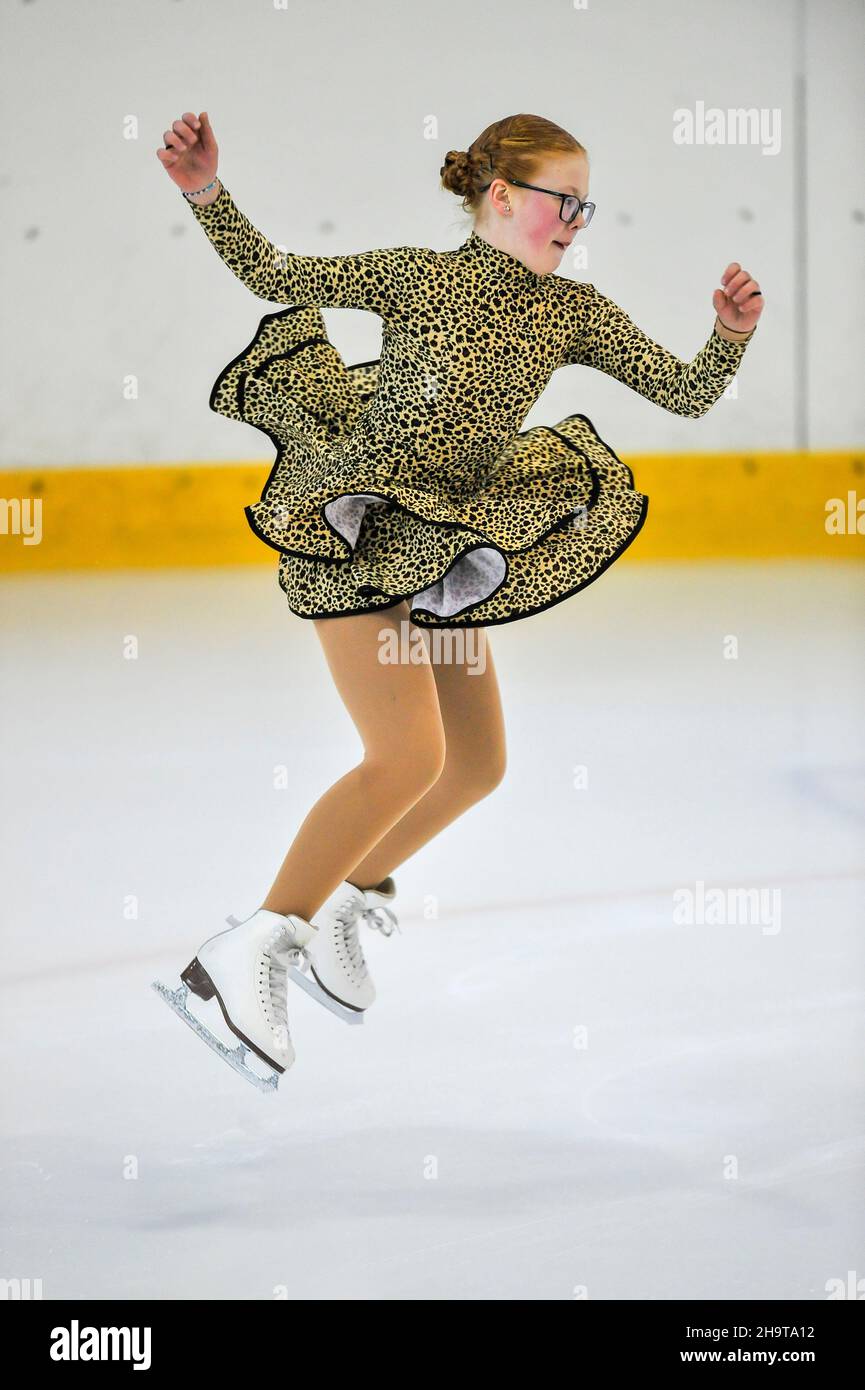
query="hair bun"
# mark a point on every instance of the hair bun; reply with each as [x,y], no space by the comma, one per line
[456,172]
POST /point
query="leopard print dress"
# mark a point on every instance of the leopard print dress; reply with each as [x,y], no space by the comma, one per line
[408,477]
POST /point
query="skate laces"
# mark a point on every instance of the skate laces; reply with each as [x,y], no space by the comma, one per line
[348,914]
[277,983]
[289,951]
[386,928]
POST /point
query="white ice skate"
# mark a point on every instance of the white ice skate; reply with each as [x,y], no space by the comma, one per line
[246,969]
[335,955]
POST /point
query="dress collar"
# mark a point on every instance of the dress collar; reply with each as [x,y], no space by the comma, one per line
[498,262]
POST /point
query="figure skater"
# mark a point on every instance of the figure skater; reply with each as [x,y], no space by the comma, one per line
[404,496]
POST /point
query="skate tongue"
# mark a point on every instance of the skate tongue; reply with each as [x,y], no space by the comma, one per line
[275,918]
[384,889]
[262,914]
[297,932]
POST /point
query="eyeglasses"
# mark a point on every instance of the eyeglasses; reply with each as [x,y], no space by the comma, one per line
[571,207]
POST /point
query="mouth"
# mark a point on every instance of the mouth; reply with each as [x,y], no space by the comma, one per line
[562,245]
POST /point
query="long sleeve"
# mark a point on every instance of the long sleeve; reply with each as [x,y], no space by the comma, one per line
[372,280]
[606,338]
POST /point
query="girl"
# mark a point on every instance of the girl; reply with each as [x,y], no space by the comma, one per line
[403,492]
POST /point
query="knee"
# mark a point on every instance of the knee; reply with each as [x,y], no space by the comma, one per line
[412,765]
[480,778]
[492,775]
[425,759]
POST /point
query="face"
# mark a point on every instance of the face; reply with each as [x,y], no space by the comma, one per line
[533,231]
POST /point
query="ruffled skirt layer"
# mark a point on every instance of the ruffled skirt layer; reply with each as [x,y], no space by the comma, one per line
[359,528]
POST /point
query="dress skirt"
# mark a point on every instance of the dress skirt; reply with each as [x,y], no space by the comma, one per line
[358,529]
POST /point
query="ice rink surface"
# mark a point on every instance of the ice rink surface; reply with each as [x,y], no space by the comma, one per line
[563,1089]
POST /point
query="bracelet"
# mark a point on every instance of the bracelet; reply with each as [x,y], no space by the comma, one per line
[206,189]
[739,335]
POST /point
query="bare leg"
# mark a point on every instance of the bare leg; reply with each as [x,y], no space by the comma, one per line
[474,764]
[395,709]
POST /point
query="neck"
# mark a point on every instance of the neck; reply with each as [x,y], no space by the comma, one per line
[498,258]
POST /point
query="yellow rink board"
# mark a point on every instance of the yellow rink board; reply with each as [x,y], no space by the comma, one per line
[700,506]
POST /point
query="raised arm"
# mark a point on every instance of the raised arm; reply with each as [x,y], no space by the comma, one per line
[373,280]
[605,337]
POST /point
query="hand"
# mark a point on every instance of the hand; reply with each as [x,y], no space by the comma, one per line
[192,155]
[740,303]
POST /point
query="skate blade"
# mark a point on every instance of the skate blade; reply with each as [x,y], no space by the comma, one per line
[235,1057]
[315,991]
